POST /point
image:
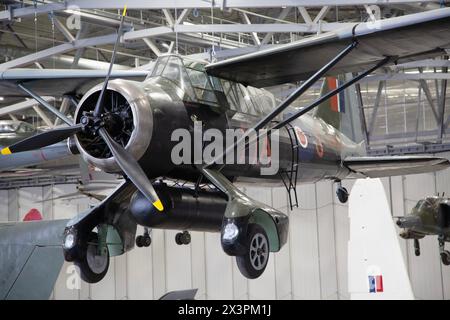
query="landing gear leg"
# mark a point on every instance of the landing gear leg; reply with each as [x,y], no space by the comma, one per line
[445,255]
[416,247]
[341,192]
[144,240]
[183,238]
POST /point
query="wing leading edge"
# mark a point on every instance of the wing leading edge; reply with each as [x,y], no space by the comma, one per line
[406,38]
[377,167]
[56,82]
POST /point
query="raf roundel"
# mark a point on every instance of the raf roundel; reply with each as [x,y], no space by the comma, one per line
[302,138]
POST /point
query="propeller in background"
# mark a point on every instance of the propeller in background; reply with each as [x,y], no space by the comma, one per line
[90,124]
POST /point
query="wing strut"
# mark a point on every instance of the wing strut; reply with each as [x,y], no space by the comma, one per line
[287,102]
[332,93]
[45,104]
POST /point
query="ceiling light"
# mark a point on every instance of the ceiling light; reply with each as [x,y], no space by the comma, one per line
[1,98]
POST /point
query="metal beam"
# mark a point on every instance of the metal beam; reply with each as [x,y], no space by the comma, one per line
[183,15]
[63,48]
[322,13]
[234,28]
[45,104]
[183,4]
[169,18]
[152,46]
[43,116]
[427,63]
[407,76]
[255,37]
[21,106]
[429,97]
[442,99]
[62,28]
[376,106]
[305,15]
[281,16]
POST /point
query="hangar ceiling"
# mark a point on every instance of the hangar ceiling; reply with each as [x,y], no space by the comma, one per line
[404,108]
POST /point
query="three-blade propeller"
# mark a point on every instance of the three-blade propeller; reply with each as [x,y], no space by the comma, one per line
[124,159]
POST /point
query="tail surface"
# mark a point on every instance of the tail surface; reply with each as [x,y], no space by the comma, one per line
[331,110]
[376,269]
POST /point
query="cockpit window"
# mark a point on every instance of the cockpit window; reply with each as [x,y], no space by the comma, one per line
[175,71]
[159,67]
[423,204]
[202,86]
[191,77]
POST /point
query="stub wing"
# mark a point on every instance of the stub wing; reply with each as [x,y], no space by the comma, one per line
[406,38]
[377,167]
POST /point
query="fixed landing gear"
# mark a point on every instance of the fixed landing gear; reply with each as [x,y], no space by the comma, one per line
[445,255]
[94,262]
[144,240]
[183,238]
[253,263]
[341,193]
[416,247]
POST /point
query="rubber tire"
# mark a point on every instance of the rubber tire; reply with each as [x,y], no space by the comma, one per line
[416,248]
[342,195]
[445,258]
[139,241]
[86,272]
[243,262]
[417,252]
[178,238]
[186,238]
[147,241]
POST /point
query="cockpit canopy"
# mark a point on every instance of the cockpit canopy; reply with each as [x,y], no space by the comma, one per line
[426,204]
[198,86]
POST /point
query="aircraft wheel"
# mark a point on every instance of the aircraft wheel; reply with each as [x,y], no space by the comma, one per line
[182,238]
[342,194]
[445,257]
[253,263]
[93,267]
[143,241]
[416,247]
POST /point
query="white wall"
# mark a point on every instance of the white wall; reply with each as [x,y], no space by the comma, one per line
[312,265]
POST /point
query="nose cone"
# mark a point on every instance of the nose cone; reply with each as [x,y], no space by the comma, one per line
[409,222]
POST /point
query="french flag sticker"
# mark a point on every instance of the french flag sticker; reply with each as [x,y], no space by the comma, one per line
[375,284]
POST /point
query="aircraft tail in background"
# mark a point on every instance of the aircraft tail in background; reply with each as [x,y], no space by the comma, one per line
[376,269]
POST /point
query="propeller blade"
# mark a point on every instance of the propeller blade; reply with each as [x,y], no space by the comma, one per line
[42,139]
[99,106]
[132,169]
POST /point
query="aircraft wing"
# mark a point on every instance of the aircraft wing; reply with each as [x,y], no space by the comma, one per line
[31,256]
[58,82]
[385,166]
[408,38]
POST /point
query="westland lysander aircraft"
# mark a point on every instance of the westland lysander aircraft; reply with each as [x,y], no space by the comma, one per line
[126,126]
[430,216]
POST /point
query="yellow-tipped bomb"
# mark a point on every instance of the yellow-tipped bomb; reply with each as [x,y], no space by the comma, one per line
[158,205]
[124,11]
[6,151]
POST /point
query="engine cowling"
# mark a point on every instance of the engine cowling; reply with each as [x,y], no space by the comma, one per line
[129,122]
